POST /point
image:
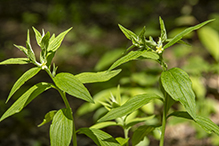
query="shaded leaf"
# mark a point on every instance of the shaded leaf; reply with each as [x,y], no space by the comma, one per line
[15,61]
[61,129]
[100,137]
[48,117]
[185,32]
[178,85]
[45,42]
[128,33]
[140,133]
[131,105]
[132,55]
[26,98]
[71,85]
[25,77]
[163,30]
[90,77]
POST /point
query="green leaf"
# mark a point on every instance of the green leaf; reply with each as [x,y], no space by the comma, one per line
[104,124]
[45,42]
[61,129]
[37,35]
[48,117]
[25,77]
[207,124]
[204,122]
[122,141]
[131,105]
[26,98]
[178,85]
[21,48]
[71,85]
[55,43]
[150,55]
[210,39]
[163,30]
[30,52]
[15,61]
[128,33]
[140,133]
[99,137]
[90,77]
[185,32]
[134,121]
[132,55]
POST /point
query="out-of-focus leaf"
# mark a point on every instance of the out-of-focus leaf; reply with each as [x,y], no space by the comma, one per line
[186,31]
[163,30]
[178,85]
[150,55]
[26,98]
[134,121]
[25,77]
[91,77]
[99,137]
[210,39]
[48,117]
[15,61]
[61,129]
[131,105]
[122,141]
[71,85]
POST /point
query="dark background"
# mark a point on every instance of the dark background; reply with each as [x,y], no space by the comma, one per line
[95,31]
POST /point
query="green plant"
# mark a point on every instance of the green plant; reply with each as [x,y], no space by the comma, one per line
[62,129]
[175,84]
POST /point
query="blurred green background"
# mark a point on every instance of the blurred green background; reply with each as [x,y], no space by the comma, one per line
[95,33]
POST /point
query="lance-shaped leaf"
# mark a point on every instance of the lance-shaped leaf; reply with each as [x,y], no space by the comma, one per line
[100,137]
[134,121]
[30,53]
[61,129]
[185,32]
[163,30]
[55,43]
[150,55]
[104,124]
[178,85]
[204,122]
[37,35]
[48,117]
[45,42]
[71,85]
[15,61]
[90,77]
[140,133]
[25,77]
[21,48]
[128,33]
[128,57]
[26,98]
[131,105]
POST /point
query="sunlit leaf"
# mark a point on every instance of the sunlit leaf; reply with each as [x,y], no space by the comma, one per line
[37,35]
[92,77]
[55,43]
[26,98]
[25,77]
[15,61]
[61,129]
[185,32]
[21,48]
[48,117]
[128,33]
[100,137]
[131,105]
[178,85]
[163,30]
[72,85]
[132,55]
[104,124]
[122,141]
[30,52]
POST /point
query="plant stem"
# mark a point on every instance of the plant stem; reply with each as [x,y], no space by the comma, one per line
[163,125]
[74,138]
[126,131]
